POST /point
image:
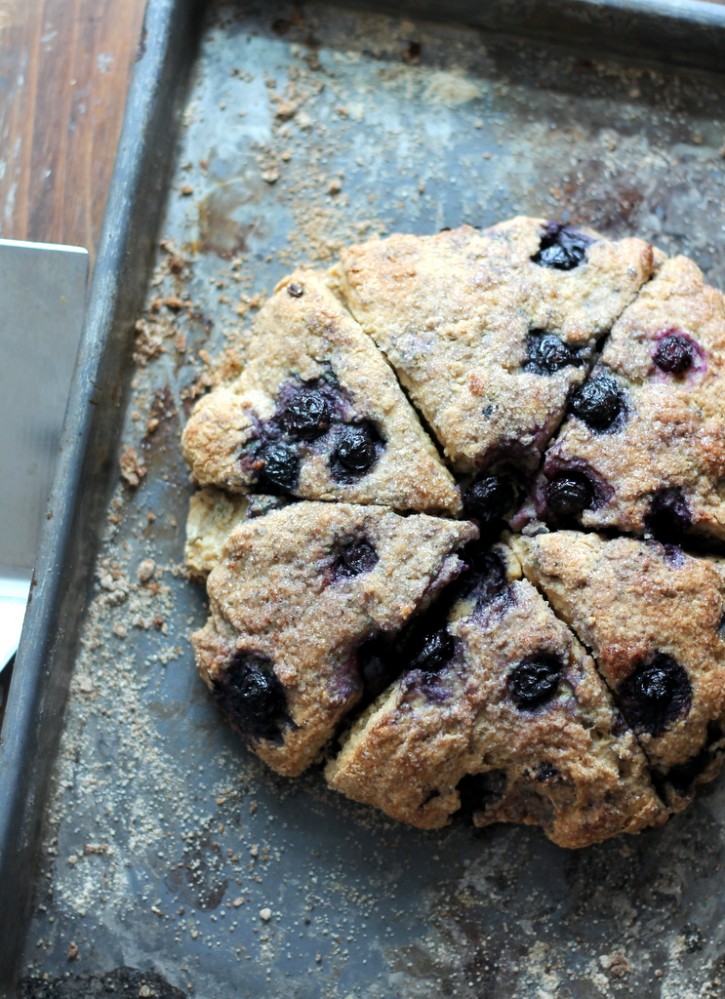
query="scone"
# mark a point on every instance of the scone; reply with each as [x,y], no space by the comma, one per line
[317,413]
[489,330]
[652,617]
[535,378]
[501,714]
[643,449]
[295,596]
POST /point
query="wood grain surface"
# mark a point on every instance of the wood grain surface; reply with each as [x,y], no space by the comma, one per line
[65,66]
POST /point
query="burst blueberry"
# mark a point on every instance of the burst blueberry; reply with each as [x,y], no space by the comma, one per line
[546,353]
[534,681]
[356,449]
[355,559]
[655,694]
[307,415]
[489,499]
[598,403]
[281,465]
[669,515]
[435,650]
[561,247]
[569,494]
[674,354]
[249,692]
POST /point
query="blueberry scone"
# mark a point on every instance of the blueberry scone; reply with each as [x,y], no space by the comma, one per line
[653,618]
[501,713]
[489,330]
[317,413]
[643,449]
[534,378]
[296,595]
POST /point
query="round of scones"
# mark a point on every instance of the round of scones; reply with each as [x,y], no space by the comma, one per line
[460,520]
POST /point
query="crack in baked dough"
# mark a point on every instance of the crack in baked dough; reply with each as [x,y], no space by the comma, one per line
[502,344]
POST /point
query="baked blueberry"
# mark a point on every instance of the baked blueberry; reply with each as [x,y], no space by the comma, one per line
[281,465]
[669,515]
[434,651]
[376,665]
[569,493]
[546,771]
[561,247]
[655,694]
[307,415]
[356,449]
[546,353]
[251,695]
[489,499]
[355,558]
[598,403]
[675,353]
[721,627]
[534,681]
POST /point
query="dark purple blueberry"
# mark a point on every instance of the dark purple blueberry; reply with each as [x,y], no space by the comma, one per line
[675,354]
[561,247]
[433,652]
[356,450]
[489,499]
[481,791]
[281,465]
[598,403]
[487,579]
[295,290]
[249,692]
[534,681]
[356,558]
[546,353]
[669,515]
[307,415]
[546,771]
[656,693]
[569,493]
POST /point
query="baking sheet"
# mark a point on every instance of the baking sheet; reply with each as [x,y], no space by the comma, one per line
[167,847]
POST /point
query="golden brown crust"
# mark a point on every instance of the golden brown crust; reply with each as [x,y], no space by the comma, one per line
[279,597]
[566,764]
[673,432]
[452,313]
[630,601]
[307,338]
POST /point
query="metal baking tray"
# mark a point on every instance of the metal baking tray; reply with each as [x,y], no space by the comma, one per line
[161,857]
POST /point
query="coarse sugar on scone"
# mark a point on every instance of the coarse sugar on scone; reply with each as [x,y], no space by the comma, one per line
[213,514]
[489,330]
[317,413]
[296,594]
[500,713]
[643,449]
[652,616]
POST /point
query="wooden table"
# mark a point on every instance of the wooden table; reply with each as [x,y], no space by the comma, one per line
[65,67]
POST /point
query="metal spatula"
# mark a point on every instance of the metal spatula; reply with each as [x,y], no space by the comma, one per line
[42,300]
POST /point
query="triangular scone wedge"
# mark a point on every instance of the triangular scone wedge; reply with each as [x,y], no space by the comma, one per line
[504,714]
[645,438]
[489,330]
[296,595]
[653,618]
[317,413]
